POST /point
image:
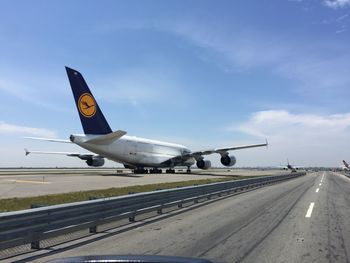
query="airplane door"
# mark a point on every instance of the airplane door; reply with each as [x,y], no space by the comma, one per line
[132,150]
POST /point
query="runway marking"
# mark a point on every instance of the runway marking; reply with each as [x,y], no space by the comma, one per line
[320,184]
[322,178]
[309,211]
[30,182]
[318,189]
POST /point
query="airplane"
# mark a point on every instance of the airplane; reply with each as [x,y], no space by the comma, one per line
[290,167]
[133,152]
[346,166]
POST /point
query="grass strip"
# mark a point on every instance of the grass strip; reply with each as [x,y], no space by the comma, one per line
[14,204]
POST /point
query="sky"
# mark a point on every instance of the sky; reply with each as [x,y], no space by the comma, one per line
[204,74]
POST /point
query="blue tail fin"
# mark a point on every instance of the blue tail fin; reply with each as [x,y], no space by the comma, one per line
[91,116]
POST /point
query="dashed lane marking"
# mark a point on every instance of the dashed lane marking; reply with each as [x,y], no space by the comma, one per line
[309,211]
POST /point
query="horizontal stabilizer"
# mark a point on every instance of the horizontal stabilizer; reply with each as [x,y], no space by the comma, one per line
[107,138]
[46,152]
[83,156]
[48,139]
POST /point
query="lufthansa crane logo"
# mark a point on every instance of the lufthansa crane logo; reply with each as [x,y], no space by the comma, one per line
[87,105]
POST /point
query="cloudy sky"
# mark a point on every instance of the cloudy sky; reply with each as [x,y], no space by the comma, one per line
[200,73]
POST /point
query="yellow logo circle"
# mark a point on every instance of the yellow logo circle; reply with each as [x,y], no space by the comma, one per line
[87,105]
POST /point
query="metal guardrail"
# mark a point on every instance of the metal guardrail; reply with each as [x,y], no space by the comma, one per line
[32,226]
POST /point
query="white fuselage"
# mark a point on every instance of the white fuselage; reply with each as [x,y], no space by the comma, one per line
[137,152]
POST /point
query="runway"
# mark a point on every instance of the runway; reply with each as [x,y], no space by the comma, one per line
[34,182]
[301,220]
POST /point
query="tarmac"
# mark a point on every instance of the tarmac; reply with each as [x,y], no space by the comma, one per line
[35,182]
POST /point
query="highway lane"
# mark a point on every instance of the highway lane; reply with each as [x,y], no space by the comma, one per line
[271,224]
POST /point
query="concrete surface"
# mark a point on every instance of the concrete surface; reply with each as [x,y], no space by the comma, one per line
[265,225]
[34,182]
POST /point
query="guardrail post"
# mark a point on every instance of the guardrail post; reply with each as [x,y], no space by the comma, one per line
[35,244]
[93,229]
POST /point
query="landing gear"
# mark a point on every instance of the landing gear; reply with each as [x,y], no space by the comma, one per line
[140,170]
[188,170]
[155,171]
[170,171]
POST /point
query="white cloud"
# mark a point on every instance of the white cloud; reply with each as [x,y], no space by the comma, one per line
[341,18]
[335,4]
[39,90]
[6,128]
[271,122]
[139,87]
[313,67]
[307,139]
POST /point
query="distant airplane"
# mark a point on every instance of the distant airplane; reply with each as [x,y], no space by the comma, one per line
[133,152]
[346,166]
[290,167]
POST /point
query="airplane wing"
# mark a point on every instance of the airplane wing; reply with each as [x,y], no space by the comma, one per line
[223,151]
[83,156]
[48,139]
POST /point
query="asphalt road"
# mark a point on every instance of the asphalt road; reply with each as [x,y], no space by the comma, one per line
[270,224]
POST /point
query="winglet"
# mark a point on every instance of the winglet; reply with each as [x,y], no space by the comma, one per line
[267,143]
[26,151]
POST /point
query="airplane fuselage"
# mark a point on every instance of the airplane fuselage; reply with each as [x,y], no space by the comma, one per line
[137,152]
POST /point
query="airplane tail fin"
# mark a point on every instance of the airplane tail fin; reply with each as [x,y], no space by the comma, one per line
[91,116]
[346,164]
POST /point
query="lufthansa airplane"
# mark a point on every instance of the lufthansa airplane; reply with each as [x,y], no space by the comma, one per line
[134,153]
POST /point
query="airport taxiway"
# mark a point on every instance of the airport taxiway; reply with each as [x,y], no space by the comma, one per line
[34,182]
[277,223]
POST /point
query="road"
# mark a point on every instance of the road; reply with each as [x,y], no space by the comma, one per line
[277,223]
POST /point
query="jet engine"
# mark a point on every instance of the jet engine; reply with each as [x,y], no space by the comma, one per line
[228,160]
[95,161]
[203,164]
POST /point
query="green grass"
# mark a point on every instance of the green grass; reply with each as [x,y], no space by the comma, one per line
[13,204]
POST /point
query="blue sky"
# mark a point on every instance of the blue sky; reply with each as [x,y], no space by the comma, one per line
[200,73]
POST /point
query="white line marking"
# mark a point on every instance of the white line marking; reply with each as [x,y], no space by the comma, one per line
[29,182]
[309,211]
[318,189]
